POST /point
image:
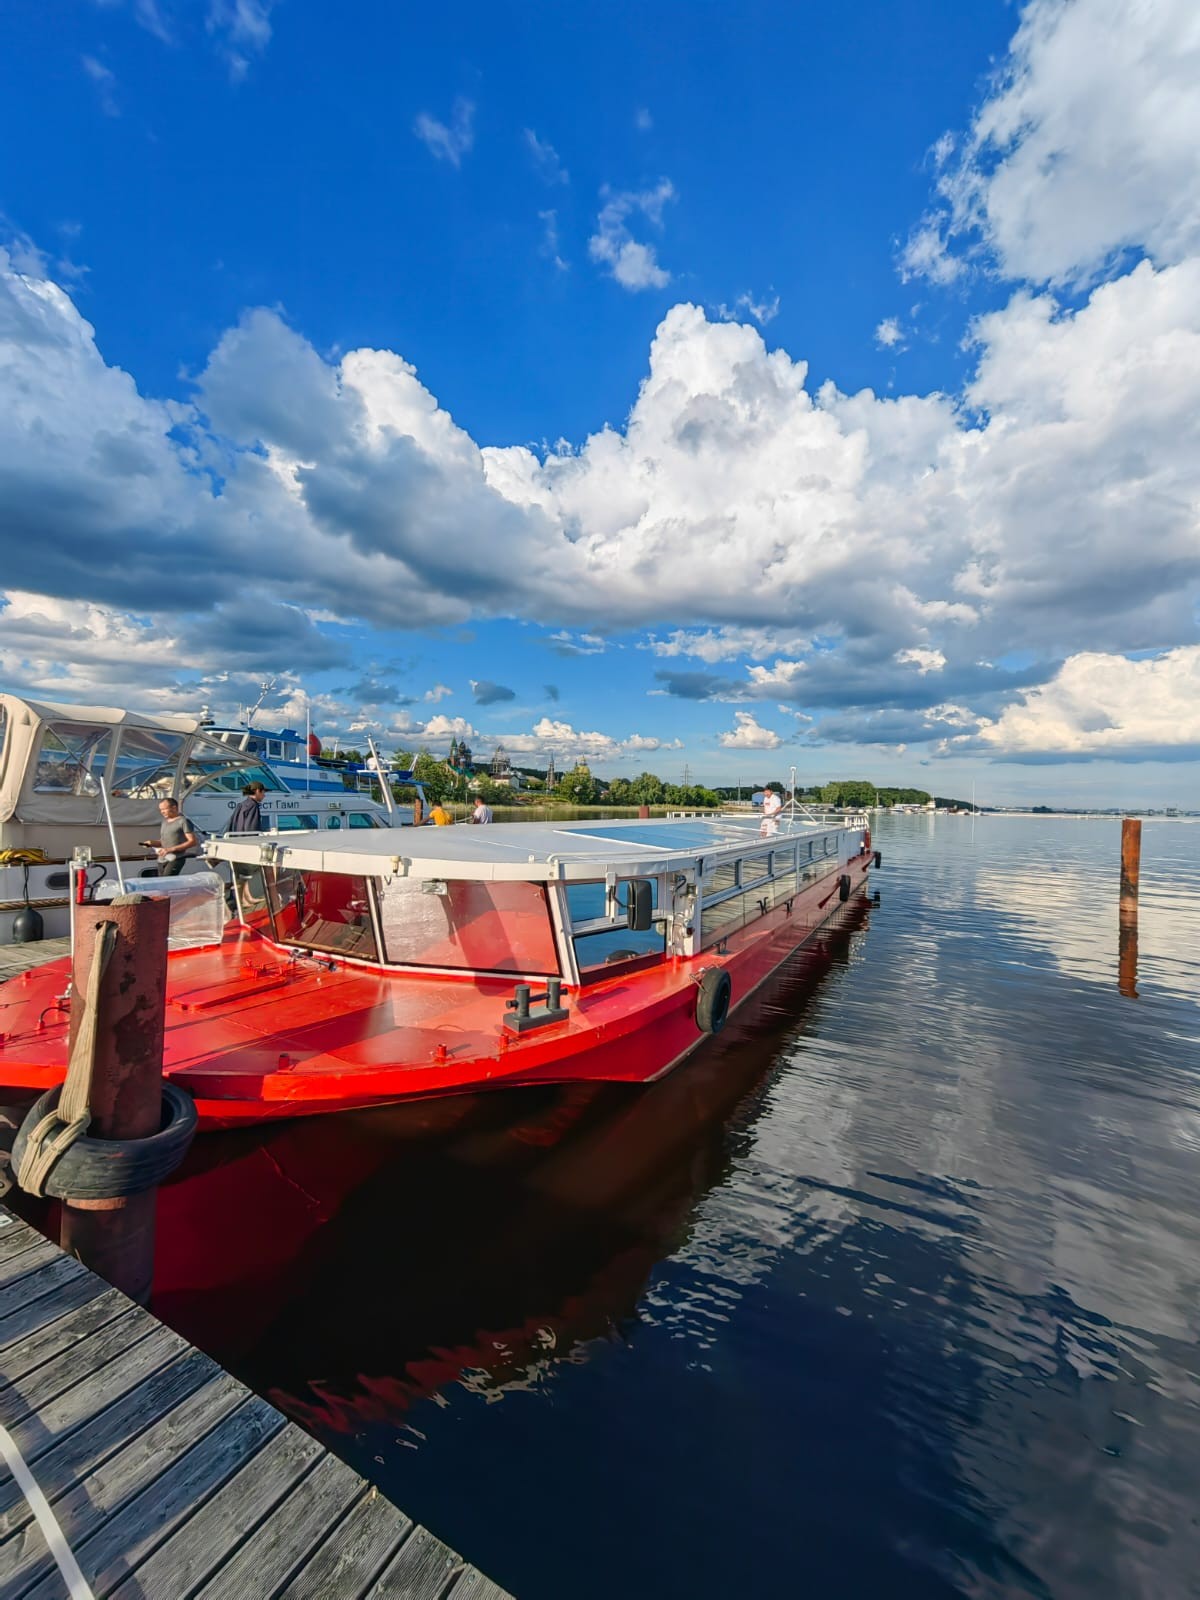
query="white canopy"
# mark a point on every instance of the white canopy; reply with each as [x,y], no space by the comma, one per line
[53,758]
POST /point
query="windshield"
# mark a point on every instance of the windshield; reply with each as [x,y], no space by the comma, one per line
[241,778]
[208,758]
[145,764]
[72,758]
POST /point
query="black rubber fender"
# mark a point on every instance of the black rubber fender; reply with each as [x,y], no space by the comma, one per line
[110,1169]
[712,1003]
[844,886]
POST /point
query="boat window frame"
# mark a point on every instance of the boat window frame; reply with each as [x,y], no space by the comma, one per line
[270,880]
[571,930]
[504,974]
[777,869]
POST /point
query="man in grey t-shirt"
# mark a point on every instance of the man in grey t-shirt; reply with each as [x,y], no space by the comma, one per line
[178,837]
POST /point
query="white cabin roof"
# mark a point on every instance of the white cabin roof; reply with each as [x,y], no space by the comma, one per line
[525,850]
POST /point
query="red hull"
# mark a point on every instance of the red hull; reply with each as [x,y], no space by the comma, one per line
[253,1035]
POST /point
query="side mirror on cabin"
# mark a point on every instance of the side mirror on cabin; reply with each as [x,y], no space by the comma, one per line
[639,905]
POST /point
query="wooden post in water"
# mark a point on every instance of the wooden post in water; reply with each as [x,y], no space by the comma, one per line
[115,1238]
[1131,858]
[1127,935]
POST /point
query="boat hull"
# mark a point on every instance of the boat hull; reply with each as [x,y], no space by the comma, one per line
[254,1035]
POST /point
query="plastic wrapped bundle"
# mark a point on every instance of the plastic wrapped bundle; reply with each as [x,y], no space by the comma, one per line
[197,905]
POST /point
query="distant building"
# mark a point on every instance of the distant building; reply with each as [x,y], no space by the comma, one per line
[460,759]
[551,775]
[502,769]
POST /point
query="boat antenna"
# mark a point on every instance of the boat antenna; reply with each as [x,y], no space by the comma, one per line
[264,690]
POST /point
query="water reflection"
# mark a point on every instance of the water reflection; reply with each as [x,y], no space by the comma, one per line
[892,1291]
[552,1206]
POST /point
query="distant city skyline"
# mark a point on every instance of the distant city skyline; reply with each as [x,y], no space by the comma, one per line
[814,388]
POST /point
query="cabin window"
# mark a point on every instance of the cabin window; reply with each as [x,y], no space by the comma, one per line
[479,927]
[333,820]
[328,911]
[72,759]
[602,941]
[755,868]
[145,764]
[362,819]
[296,821]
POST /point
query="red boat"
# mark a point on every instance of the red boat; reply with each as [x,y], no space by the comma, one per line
[401,964]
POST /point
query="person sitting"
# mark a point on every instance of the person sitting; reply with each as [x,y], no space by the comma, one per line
[439,817]
[482,811]
[247,817]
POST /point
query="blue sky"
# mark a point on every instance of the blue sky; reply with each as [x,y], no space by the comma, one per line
[732,387]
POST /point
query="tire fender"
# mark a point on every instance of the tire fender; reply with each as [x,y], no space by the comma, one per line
[712,1003]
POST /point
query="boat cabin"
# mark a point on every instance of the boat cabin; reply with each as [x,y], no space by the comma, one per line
[581,901]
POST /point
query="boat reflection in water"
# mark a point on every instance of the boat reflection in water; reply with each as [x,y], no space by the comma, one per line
[352,1265]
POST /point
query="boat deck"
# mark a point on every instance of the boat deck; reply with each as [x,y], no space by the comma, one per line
[164,1476]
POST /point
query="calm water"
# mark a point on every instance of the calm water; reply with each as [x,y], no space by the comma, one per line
[892,1291]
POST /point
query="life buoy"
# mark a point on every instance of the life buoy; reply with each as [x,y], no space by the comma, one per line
[712,1003]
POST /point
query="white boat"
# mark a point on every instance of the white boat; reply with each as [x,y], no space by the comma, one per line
[59,762]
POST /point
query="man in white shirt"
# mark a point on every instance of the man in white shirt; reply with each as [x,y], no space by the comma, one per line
[481,813]
[772,805]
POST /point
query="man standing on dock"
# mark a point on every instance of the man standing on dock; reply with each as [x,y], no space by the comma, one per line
[177,835]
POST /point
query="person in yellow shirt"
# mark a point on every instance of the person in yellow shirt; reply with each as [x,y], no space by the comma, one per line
[439,816]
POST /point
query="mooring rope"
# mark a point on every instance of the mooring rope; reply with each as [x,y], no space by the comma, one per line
[71,1118]
[78,1587]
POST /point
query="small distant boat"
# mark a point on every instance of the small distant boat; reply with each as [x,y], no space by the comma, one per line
[375,967]
[61,764]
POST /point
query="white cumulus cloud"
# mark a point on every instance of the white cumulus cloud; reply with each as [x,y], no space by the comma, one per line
[748,734]
[631,262]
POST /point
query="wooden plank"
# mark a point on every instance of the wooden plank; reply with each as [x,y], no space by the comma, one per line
[76,1405]
[56,1288]
[202,1542]
[288,1538]
[58,1464]
[352,1558]
[472,1585]
[125,1539]
[103,1498]
[36,1253]
[56,1336]
[16,1236]
[73,1366]
[420,1569]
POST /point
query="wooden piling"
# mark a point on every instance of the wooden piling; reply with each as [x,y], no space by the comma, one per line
[115,1238]
[1131,856]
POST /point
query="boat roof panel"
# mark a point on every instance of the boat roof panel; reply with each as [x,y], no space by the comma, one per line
[532,850]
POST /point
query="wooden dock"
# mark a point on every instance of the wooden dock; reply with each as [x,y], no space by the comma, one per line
[160,1477]
[18,958]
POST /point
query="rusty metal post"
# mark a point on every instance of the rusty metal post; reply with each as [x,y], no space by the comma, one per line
[643,811]
[115,1238]
[1131,857]
[1127,937]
